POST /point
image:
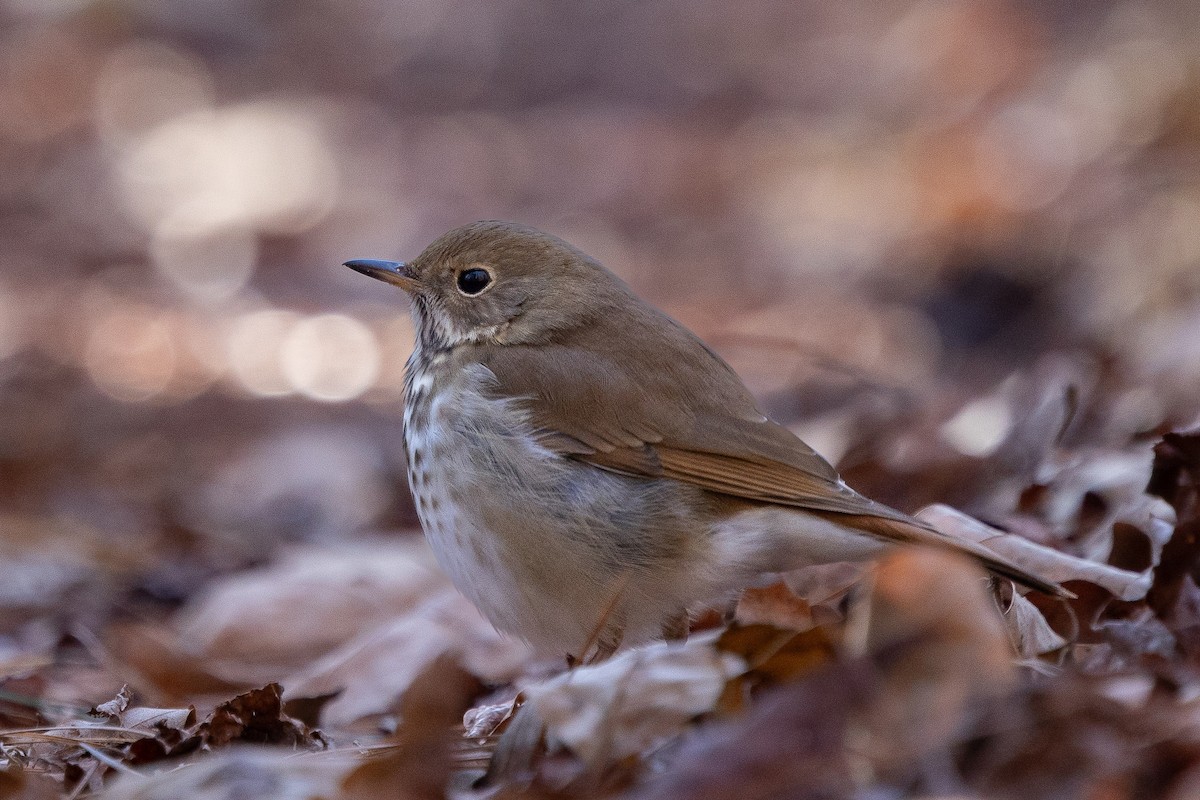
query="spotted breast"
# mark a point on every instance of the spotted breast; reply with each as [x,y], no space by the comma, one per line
[520,530]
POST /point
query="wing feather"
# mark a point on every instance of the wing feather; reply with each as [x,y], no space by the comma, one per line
[676,410]
[601,407]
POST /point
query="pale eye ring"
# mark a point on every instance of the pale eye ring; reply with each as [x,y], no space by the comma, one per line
[473,281]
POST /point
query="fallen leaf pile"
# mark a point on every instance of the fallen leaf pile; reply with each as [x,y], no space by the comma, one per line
[952,245]
[922,675]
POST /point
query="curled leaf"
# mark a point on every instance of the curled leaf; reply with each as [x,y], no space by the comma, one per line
[1047,562]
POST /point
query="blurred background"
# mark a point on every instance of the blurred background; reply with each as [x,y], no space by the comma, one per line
[937,238]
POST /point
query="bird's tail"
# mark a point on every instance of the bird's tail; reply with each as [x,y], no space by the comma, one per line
[915,532]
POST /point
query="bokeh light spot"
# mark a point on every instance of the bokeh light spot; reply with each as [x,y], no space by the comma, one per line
[254,344]
[331,357]
[261,165]
[1027,155]
[206,265]
[130,355]
[979,427]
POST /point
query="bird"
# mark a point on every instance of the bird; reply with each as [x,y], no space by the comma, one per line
[588,471]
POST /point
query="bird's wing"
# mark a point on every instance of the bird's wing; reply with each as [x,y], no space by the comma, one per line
[691,419]
[683,415]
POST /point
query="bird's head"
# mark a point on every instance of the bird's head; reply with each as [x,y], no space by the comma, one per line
[499,282]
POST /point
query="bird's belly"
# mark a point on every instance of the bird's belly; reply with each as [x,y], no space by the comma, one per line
[467,551]
[546,547]
[505,549]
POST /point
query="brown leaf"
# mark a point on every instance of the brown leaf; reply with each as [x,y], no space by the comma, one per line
[1176,473]
[1180,559]
[171,718]
[772,656]
[168,741]
[775,605]
[1085,734]
[488,720]
[419,765]
[1028,629]
[242,771]
[615,711]
[18,785]
[256,717]
[161,663]
[1184,617]
[938,641]
[114,707]
[371,671]
[308,709]
[791,743]
[255,626]
[19,707]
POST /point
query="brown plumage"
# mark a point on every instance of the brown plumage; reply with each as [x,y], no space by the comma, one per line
[555,374]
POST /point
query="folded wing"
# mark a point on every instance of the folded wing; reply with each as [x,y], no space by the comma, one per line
[680,412]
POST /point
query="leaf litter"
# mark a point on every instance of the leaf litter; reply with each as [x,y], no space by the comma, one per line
[210,576]
[922,675]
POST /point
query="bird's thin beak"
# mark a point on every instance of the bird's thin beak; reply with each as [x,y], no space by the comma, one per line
[396,273]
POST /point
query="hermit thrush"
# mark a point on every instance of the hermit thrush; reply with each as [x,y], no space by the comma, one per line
[587,469]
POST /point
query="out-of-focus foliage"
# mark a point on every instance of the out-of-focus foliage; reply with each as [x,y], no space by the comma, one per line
[954,245]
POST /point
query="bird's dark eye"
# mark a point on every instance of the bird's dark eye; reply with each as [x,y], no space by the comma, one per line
[473,281]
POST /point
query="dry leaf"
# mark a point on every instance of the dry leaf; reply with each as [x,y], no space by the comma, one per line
[486,720]
[772,656]
[775,605]
[16,785]
[1030,633]
[792,743]
[632,702]
[161,663]
[930,627]
[256,717]
[244,771]
[419,762]
[114,707]
[1039,559]
[1115,478]
[259,625]
[373,670]
[824,586]
[1176,473]
[143,717]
